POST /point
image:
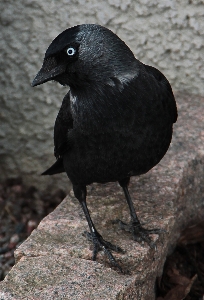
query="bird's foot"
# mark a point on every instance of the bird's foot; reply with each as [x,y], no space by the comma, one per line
[140,234]
[100,244]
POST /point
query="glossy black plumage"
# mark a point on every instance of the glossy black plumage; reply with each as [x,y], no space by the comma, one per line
[116,120]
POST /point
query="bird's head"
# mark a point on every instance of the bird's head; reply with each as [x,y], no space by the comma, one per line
[84,54]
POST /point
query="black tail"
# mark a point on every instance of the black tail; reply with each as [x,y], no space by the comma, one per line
[56,168]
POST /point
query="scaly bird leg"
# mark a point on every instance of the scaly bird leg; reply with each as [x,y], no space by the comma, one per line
[139,233]
[98,242]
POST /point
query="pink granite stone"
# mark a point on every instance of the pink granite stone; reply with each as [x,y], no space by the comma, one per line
[55,261]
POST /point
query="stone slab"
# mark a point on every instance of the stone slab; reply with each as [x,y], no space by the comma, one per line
[55,261]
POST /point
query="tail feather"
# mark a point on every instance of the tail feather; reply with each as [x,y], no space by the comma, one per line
[56,168]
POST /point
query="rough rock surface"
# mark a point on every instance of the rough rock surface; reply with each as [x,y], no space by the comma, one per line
[54,262]
[166,34]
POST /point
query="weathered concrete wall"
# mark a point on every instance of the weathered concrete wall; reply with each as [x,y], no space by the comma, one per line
[166,34]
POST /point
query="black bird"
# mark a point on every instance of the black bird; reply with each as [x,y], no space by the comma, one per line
[115,122]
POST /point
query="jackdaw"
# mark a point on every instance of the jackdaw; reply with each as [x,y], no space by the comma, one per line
[115,121]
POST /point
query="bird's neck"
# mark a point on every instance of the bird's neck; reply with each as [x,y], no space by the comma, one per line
[96,106]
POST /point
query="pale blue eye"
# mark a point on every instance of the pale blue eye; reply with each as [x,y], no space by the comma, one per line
[71,51]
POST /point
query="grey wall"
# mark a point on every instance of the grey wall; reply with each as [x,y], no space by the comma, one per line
[166,34]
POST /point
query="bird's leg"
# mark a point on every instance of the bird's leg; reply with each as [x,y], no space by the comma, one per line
[98,242]
[139,233]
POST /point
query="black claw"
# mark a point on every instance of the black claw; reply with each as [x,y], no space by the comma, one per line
[95,251]
[157,231]
[139,233]
[101,245]
[112,259]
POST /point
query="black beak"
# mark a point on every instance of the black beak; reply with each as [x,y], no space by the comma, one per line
[49,71]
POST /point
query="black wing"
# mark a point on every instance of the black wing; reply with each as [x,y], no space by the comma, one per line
[170,102]
[63,124]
